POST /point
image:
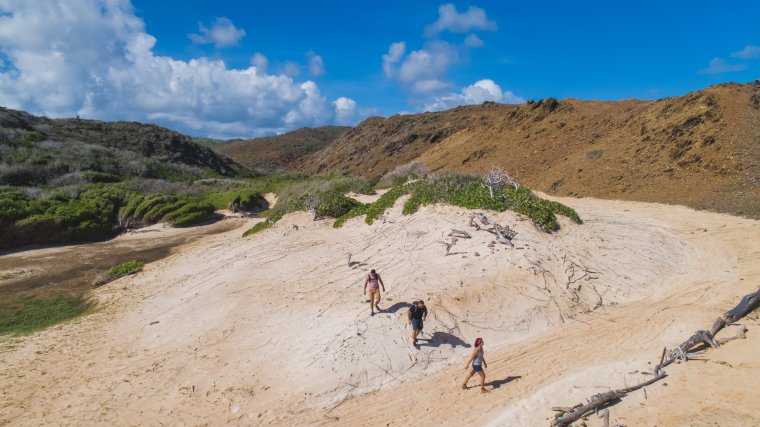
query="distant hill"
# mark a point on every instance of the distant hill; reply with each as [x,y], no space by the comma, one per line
[701,149]
[276,152]
[38,150]
[208,142]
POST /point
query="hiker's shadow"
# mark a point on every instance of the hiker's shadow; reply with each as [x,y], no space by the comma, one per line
[439,338]
[499,383]
[396,307]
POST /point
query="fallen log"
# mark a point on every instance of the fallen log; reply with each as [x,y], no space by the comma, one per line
[746,305]
[460,233]
[740,335]
[594,403]
[597,401]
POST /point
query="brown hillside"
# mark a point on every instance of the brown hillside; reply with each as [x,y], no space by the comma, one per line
[701,149]
[275,152]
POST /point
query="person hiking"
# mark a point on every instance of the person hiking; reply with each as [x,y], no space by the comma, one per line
[374,281]
[416,316]
[478,363]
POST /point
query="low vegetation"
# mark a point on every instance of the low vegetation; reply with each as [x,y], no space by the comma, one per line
[26,314]
[324,197]
[120,270]
[41,215]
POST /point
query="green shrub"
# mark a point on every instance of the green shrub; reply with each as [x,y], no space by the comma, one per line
[354,212]
[190,219]
[260,226]
[125,268]
[469,192]
[387,200]
[189,214]
[334,204]
[25,314]
[120,270]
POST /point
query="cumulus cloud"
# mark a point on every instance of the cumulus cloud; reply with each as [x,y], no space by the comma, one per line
[473,41]
[449,19]
[260,61]
[316,65]
[222,34]
[345,111]
[749,52]
[476,93]
[395,53]
[94,58]
[432,62]
[720,65]
[422,70]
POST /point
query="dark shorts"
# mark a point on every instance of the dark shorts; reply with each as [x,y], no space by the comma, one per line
[417,324]
[477,368]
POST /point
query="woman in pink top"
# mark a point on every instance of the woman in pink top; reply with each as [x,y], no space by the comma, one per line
[373,283]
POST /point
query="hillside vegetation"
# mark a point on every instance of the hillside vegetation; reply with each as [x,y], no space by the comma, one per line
[701,149]
[42,151]
[64,180]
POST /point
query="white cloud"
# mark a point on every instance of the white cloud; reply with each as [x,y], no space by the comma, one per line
[477,93]
[720,65]
[449,19]
[93,58]
[291,68]
[222,34]
[749,52]
[316,65]
[423,69]
[473,41]
[395,53]
[430,86]
[260,61]
[345,111]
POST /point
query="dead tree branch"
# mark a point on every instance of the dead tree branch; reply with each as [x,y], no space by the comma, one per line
[748,303]
[503,233]
[460,234]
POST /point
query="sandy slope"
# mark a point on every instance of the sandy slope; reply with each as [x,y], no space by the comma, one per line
[274,328]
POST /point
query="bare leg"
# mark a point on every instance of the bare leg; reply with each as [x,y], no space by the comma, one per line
[482,381]
[372,301]
[377,303]
[467,378]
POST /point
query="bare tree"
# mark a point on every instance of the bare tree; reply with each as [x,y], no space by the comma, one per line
[498,178]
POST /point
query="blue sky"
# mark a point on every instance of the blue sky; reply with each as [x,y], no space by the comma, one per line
[234,68]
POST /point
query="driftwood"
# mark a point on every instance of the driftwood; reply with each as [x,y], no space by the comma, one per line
[460,233]
[450,245]
[503,233]
[745,306]
[680,353]
[740,335]
[598,401]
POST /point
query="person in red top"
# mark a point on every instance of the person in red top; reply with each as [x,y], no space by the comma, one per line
[373,283]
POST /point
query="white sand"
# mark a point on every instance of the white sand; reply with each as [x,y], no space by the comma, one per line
[274,328]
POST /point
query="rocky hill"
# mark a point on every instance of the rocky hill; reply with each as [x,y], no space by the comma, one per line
[38,150]
[276,152]
[701,149]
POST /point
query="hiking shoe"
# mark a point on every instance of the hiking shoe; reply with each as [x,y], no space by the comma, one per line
[372,314]
[482,390]
[464,386]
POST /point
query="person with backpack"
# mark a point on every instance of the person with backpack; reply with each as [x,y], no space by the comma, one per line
[416,316]
[374,282]
[478,362]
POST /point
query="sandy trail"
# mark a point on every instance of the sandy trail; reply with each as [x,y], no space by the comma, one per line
[274,328]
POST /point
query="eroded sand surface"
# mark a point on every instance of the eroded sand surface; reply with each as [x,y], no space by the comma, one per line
[273,329]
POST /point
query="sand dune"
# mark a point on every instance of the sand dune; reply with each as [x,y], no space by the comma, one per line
[274,329]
